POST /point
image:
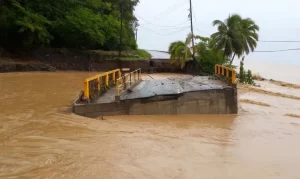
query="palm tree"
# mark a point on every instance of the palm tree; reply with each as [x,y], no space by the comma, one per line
[249,33]
[235,36]
[180,51]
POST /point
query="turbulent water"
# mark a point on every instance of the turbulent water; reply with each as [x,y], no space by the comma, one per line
[41,138]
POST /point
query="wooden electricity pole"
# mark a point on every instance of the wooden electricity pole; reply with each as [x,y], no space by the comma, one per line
[192,30]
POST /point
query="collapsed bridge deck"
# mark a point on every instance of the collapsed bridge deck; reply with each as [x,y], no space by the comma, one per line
[183,95]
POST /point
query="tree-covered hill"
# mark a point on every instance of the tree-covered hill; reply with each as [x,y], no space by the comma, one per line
[84,24]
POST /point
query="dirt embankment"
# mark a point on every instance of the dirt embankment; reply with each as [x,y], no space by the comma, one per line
[64,60]
[9,65]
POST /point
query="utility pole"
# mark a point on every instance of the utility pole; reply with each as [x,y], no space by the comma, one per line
[197,65]
[136,34]
[121,30]
[135,26]
[192,30]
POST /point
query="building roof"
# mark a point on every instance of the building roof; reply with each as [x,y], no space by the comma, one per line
[159,54]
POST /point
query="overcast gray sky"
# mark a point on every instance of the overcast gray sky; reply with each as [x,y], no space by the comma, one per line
[278,20]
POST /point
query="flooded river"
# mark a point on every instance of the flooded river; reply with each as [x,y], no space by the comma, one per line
[41,138]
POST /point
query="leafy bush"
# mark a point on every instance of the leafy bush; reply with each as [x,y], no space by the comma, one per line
[249,78]
[242,75]
[207,57]
[245,77]
[143,54]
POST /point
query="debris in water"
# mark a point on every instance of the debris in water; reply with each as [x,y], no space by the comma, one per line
[285,84]
[254,102]
[293,115]
[271,93]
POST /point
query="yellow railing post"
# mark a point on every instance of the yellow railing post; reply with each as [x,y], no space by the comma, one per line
[117,87]
[114,77]
[98,81]
[233,78]
[86,92]
[106,79]
[216,69]
[141,74]
[227,72]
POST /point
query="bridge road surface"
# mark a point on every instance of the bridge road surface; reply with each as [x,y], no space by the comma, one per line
[169,86]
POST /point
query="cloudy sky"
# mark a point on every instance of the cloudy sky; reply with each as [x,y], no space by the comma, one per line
[165,21]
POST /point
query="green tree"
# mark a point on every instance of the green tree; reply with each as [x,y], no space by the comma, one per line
[242,74]
[236,36]
[208,57]
[87,24]
[249,78]
[249,35]
[228,37]
[180,51]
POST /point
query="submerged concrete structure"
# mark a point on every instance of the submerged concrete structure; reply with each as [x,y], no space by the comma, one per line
[186,95]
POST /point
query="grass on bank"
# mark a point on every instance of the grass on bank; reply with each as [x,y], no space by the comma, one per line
[138,54]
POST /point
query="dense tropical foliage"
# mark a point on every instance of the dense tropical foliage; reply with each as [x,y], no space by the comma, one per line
[207,57]
[85,24]
[235,37]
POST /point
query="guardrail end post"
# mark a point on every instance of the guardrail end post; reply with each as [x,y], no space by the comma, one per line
[130,79]
[86,90]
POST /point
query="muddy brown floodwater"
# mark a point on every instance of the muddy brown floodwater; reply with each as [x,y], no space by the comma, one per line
[41,138]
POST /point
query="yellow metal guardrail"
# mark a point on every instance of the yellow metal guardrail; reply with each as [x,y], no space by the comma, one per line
[229,73]
[127,81]
[96,85]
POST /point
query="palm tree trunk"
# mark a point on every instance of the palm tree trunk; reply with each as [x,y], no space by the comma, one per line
[224,51]
[232,59]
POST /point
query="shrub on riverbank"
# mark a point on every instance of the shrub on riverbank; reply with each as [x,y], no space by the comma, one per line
[245,76]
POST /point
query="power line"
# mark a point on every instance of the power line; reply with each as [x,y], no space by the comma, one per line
[175,4]
[283,50]
[279,41]
[172,28]
[162,25]
[180,29]
[194,15]
[171,9]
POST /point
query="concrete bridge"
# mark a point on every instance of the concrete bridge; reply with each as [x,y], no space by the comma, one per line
[120,93]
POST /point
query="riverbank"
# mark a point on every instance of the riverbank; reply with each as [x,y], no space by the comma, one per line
[47,59]
[78,60]
[9,65]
